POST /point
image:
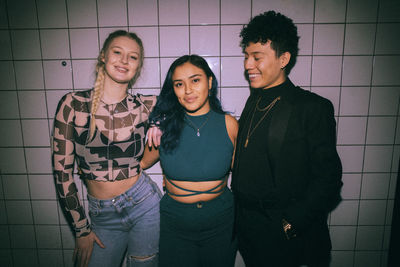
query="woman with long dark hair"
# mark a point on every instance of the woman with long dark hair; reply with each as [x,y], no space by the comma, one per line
[196,153]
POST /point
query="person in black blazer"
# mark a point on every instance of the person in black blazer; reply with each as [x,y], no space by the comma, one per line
[287,173]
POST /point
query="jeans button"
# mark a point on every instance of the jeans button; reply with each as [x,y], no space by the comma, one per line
[199,205]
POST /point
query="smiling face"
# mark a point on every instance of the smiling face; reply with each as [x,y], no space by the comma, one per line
[121,60]
[263,68]
[191,86]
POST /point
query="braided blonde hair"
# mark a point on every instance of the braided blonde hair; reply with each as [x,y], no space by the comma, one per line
[100,73]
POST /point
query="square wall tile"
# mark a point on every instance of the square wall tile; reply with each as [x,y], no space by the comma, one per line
[149,37]
[165,63]
[19,212]
[381,130]
[345,214]
[234,99]
[378,158]
[36,132]
[9,105]
[357,70]
[38,160]
[389,212]
[32,104]
[235,11]
[173,12]
[204,11]
[387,36]
[83,72]
[300,75]
[52,99]
[351,130]
[25,257]
[52,13]
[328,39]
[15,187]
[105,32]
[7,75]
[330,93]
[67,254]
[168,43]
[300,11]
[48,236]
[204,40]
[3,16]
[1,192]
[50,257]
[45,212]
[367,259]
[57,74]
[25,44]
[330,11]
[42,187]
[10,132]
[389,11]
[230,40]
[305,32]
[4,238]
[351,185]
[112,13]
[342,258]
[12,160]
[5,42]
[82,13]
[142,12]
[385,71]
[150,75]
[232,74]
[375,185]
[354,101]
[3,213]
[215,65]
[359,39]
[54,44]
[29,75]
[326,70]
[84,43]
[393,183]
[384,101]
[362,10]
[372,212]
[67,237]
[396,157]
[369,237]
[343,237]
[351,157]
[22,14]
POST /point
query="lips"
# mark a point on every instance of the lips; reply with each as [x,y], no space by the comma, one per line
[190,99]
[121,69]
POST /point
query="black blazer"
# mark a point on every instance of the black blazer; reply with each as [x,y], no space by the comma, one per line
[307,169]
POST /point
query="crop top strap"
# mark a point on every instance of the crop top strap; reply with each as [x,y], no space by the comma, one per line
[195,192]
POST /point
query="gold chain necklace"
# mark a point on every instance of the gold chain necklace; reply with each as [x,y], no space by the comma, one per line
[194,126]
[266,109]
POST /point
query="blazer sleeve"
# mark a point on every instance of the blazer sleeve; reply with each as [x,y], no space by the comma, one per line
[63,156]
[324,181]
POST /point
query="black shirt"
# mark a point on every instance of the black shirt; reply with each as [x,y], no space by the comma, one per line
[253,171]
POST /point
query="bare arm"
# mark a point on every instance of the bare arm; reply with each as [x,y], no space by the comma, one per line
[232,127]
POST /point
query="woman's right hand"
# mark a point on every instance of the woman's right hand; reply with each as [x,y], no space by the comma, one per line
[84,247]
[154,136]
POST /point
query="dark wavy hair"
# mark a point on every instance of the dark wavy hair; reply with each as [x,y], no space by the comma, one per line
[277,28]
[169,112]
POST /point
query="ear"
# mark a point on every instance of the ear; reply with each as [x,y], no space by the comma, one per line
[102,57]
[284,59]
[210,83]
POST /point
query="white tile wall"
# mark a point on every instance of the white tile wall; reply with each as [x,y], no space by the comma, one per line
[348,54]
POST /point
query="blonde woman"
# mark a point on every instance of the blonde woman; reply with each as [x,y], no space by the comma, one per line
[103,131]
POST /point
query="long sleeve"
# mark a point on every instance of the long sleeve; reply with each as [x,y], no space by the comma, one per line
[63,156]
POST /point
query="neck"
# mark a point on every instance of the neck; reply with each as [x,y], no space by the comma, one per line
[114,92]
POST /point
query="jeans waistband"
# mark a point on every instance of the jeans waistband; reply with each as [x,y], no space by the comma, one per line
[127,195]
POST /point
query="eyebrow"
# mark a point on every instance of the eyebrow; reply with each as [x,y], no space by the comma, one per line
[190,77]
[254,53]
[116,46]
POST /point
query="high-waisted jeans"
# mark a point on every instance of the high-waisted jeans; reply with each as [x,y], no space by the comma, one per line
[127,224]
[198,234]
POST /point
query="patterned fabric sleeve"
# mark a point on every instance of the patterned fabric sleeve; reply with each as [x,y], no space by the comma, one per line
[63,155]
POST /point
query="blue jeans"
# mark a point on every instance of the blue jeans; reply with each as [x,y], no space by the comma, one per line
[128,223]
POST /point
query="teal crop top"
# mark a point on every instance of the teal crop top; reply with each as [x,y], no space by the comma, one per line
[206,157]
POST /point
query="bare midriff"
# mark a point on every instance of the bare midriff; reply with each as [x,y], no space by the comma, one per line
[108,190]
[197,186]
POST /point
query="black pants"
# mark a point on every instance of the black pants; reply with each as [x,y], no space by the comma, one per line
[262,242]
[197,235]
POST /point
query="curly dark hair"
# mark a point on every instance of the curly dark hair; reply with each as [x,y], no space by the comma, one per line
[274,27]
[169,112]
